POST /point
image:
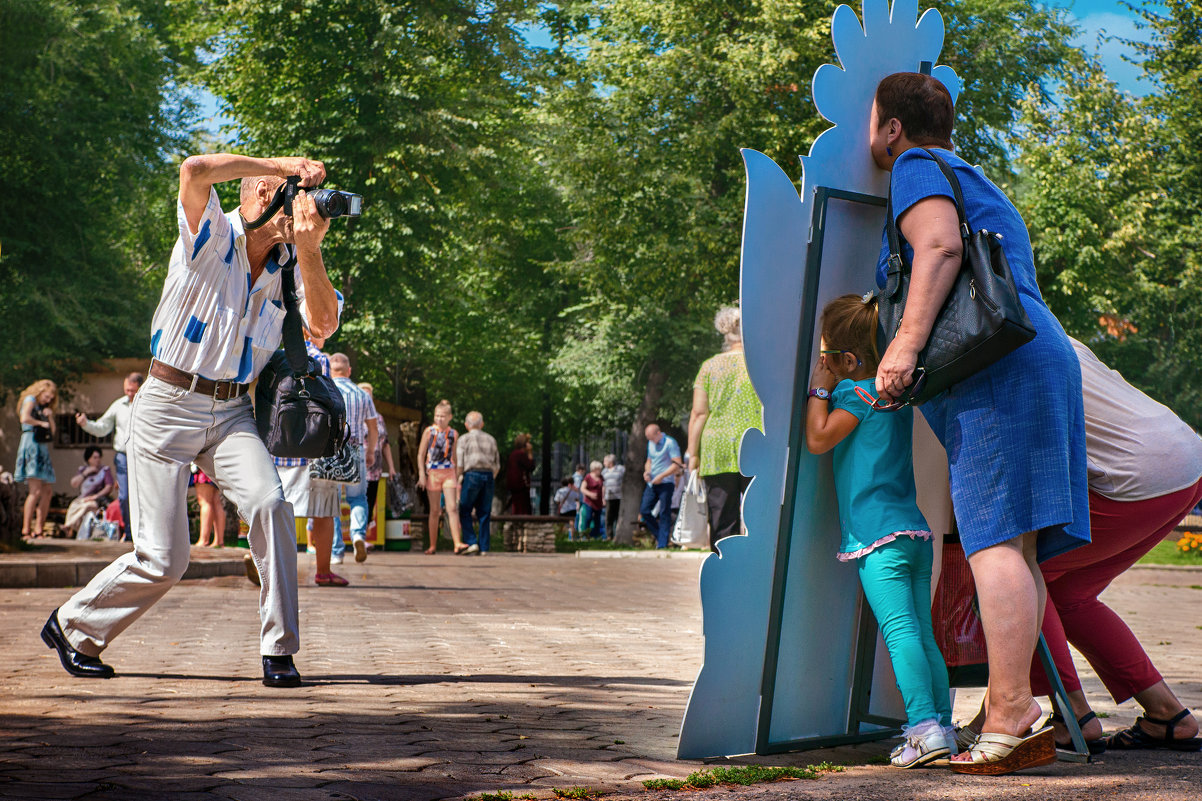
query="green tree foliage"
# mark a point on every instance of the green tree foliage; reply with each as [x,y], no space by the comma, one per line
[646,126]
[1001,49]
[1113,193]
[90,127]
[419,106]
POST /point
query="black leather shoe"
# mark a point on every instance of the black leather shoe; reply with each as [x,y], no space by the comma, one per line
[278,671]
[77,664]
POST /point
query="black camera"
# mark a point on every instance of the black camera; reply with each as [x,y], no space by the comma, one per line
[330,202]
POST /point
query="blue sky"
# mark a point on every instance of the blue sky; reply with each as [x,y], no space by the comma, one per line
[1115,19]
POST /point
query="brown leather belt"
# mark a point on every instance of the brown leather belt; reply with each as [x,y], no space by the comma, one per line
[217,390]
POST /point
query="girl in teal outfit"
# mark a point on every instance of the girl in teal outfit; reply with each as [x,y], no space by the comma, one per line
[883,531]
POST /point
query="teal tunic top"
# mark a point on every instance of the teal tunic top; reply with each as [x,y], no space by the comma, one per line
[874,472]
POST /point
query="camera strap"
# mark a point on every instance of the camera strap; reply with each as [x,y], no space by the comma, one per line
[282,197]
[293,337]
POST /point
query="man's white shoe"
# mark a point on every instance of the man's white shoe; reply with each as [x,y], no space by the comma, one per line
[336,559]
[471,549]
[925,743]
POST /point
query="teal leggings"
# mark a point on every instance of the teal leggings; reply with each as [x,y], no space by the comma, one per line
[897,583]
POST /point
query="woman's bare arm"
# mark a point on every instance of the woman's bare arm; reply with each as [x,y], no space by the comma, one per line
[932,227]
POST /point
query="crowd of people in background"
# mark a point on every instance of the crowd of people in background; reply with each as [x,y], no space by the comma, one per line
[459,474]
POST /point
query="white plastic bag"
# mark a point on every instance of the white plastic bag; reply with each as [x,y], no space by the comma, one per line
[692,523]
[85,526]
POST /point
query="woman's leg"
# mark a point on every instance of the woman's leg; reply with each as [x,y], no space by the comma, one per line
[723,499]
[450,494]
[204,499]
[1092,730]
[43,509]
[218,519]
[323,537]
[888,576]
[433,495]
[1011,595]
[31,505]
[1159,702]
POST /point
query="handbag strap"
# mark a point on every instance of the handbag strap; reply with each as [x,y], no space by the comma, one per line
[294,338]
[897,266]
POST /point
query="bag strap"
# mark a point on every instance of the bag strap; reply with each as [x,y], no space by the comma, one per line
[950,175]
[897,266]
[294,338]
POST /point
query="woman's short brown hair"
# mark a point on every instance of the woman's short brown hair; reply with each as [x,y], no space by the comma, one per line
[922,105]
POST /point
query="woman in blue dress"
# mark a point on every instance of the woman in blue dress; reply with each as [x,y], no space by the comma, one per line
[1014,432]
[36,412]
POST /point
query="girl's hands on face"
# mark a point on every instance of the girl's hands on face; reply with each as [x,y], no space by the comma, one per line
[822,375]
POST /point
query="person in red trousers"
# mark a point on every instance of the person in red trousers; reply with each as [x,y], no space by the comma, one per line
[1145,475]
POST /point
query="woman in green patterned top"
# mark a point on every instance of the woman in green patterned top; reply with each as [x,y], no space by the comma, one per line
[724,406]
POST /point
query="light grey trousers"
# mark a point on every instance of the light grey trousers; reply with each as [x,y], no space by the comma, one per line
[170,428]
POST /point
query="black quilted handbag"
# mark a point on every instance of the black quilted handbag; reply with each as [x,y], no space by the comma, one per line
[982,319]
[299,411]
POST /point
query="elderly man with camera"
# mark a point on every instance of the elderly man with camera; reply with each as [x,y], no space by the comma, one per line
[217,324]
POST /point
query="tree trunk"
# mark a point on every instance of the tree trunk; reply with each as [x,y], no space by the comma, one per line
[12,508]
[636,454]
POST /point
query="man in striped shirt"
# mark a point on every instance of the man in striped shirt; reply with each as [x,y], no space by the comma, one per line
[216,326]
[325,496]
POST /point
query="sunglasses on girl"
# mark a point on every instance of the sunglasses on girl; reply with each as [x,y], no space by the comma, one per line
[828,352]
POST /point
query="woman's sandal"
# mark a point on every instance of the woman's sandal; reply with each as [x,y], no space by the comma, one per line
[330,580]
[1095,747]
[995,754]
[1136,739]
[966,738]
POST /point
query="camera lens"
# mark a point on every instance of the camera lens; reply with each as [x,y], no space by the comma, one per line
[335,205]
[330,203]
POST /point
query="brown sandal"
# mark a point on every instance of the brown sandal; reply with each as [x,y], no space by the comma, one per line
[995,754]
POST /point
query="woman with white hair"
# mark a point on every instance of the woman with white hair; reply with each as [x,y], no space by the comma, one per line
[724,406]
[592,487]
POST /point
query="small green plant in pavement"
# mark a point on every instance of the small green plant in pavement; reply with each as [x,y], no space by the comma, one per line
[743,774]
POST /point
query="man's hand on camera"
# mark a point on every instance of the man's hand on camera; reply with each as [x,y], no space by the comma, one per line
[308,227]
[311,172]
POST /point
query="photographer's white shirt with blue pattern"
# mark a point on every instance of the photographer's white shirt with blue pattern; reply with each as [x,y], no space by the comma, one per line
[210,319]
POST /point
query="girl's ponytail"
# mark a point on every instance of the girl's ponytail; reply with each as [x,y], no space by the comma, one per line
[849,322]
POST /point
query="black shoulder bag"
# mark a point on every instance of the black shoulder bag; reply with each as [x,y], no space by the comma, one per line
[981,321]
[299,411]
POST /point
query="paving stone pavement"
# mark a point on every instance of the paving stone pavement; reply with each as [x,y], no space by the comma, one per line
[445,677]
[72,563]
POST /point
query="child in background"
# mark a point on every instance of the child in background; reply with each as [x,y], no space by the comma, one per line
[883,531]
[567,500]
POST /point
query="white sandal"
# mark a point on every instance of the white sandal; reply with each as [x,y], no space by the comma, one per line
[926,743]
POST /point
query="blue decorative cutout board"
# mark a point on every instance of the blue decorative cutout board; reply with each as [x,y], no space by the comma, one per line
[792,659]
